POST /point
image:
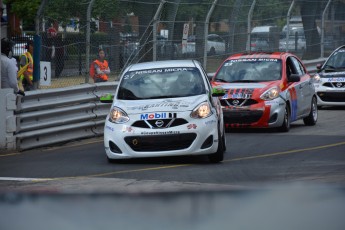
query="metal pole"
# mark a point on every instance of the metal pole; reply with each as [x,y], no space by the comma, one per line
[323,27]
[207,21]
[87,55]
[37,46]
[250,16]
[288,25]
[154,30]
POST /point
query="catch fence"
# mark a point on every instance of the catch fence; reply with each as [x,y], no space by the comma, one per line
[133,31]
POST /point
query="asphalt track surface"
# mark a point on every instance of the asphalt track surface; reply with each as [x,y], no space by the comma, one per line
[268,180]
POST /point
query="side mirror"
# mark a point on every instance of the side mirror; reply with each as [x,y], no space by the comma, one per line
[294,78]
[218,92]
[107,98]
[318,66]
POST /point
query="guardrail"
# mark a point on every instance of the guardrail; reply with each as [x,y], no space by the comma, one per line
[52,116]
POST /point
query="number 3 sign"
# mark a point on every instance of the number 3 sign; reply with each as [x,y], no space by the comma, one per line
[45,75]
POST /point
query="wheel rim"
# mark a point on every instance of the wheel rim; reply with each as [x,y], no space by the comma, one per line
[314,110]
[286,118]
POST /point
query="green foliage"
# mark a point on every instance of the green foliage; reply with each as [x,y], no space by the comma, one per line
[24,9]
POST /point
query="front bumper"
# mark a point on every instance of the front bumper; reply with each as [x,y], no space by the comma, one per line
[263,114]
[327,94]
[198,137]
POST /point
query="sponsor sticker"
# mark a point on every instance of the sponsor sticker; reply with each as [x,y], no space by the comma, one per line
[210,122]
[139,73]
[109,128]
[241,96]
[336,79]
[160,133]
[151,116]
[191,126]
[127,129]
[271,102]
[163,104]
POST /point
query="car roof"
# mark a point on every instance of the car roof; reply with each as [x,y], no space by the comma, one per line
[163,64]
[340,47]
[278,55]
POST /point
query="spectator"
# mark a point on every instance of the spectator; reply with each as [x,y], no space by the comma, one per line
[26,64]
[8,68]
[99,68]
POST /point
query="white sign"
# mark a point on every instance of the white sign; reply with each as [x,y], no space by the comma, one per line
[45,74]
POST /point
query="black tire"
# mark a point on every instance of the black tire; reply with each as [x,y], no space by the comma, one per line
[219,155]
[311,119]
[285,127]
[111,160]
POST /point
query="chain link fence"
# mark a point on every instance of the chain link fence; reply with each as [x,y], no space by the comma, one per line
[133,31]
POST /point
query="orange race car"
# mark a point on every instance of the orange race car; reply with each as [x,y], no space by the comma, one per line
[266,90]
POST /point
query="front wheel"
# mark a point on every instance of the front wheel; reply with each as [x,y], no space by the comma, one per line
[312,117]
[285,127]
[219,155]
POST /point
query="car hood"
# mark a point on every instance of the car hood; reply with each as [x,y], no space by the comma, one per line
[246,88]
[340,74]
[155,105]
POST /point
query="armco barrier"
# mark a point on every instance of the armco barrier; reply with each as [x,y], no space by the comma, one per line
[46,117]
[7,121]
[52,116]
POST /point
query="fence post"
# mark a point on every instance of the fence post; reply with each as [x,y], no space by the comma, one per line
[87,54]
[207,22]
[323,27]
[288,25]
[154,32]
[37,46]
[249,28]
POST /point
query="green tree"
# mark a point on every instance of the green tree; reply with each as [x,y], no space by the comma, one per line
[25,10]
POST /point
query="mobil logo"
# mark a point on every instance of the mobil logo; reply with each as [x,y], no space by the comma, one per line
[149,116]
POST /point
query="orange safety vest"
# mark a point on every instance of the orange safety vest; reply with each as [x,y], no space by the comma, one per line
[102,66]
[30,67]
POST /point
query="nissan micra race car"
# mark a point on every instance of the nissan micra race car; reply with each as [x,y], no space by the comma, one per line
[266,90]
[164,108]
[330,79]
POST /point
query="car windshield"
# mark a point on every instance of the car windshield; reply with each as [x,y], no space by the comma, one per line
[250,70]
[336,61]
[161,83]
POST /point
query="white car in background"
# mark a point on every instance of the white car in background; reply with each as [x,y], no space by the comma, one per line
[329,81]
[215,45]
[164,108]
[296,32]
[20,45]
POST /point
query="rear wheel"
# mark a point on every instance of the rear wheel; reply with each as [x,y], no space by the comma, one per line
[312,117]
[285,127]
[219,155]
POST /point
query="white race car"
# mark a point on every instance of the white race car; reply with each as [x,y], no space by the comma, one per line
[164,108]
[329,82]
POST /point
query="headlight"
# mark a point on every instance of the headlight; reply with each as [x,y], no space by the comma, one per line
[270,94]
[316,78]
[118,116]
[202,111]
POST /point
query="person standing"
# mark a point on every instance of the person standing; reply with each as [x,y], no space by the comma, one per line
[26,65]
[8,68]
[99,68]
